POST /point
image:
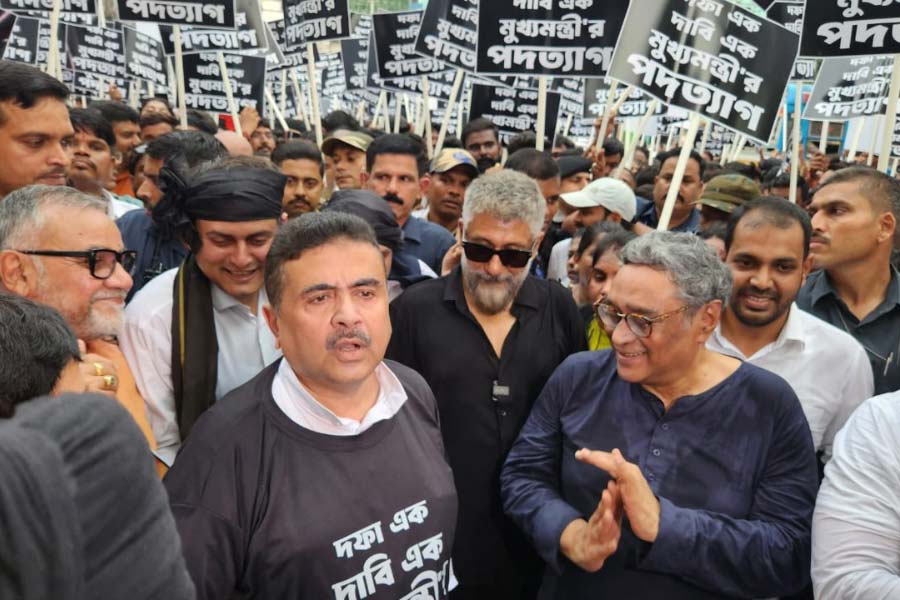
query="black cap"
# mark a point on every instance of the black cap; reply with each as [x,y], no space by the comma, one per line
[570,165]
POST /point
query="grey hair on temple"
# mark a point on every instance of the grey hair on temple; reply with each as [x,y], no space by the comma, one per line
[506,196]
[23,212]
[690,263]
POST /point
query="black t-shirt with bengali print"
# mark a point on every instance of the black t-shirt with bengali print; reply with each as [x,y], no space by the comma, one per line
[269,509]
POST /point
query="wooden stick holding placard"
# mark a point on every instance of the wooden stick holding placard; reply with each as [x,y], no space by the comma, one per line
[229,93]
[890,118]
[284,87]
[397,106]
[642,126]
[277,110]
[739,146]
[795,142]
[784,130]
[541,126]
[568,124]
[361,111]
[678,176]
[382,98]
[726,152]
[454,92]
[314,92]
[300,99]
[855,139]
[426,117]
[823,139]
[607,114]
[54,68]
[707,131]
[179,76]
[133,100]
[879,131]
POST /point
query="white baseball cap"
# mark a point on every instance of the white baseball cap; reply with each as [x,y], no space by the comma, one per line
[610,193]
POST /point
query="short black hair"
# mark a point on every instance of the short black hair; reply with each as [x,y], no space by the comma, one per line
[479,124]
[25,85]
[202,121]
[535,164]
[397,143]
[716,229]
[613,147]
[591,234]
[881,190]
[308,232]
[298,150]
[526,139]
[774,211]
[676,152]
[646,175]
[562,141]
[155,118]
[36,345]
[452,142]
[339,119]
[88,120]
[163,99]
[614,240]
[748,171]
[192,147]
[116,112]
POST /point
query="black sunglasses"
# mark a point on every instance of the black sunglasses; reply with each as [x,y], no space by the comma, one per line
[102,261]
[509,257]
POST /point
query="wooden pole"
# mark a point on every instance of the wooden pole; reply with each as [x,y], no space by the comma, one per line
[879,132]
[707,131]
[314,93]
[382,98]
[179,75]
[677,177]
[795,142]
[426,117]
[454,92]
[53,65]
[642,126]
[300,99]
[541,127]
[607,113]
[397,106]
[890,118]
[823,140]
[276,110]
[855,139]
[284,92]
[229,93]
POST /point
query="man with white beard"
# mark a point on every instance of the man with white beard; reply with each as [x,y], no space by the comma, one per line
[486,338]
[59,247]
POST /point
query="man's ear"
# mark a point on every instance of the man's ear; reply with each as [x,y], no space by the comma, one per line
[424,184]
[887,227]
[272,321]
[18,274]
[363,178]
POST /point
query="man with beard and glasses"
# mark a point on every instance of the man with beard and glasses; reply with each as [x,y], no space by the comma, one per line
[58,247]
[481,139]
[685,216]
[486,337]
[325,474]
[196,332]
[767,246]
[34,128]
[302,164]
[854,221]
[396,166]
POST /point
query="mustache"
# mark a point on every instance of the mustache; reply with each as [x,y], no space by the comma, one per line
[755,291]
[392,197]
[819,238]
[348,334]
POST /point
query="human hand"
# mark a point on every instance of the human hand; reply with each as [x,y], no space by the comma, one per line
[638,500]
[99,373]
[589,543]
[454,254]
[249,119]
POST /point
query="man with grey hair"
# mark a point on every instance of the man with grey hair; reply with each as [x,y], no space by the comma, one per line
[59,247]
[486,337]
[709,458]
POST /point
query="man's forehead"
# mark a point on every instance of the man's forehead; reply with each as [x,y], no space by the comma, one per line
[848,192]
[389,161]
[692,165]
[80,229]
[318,265]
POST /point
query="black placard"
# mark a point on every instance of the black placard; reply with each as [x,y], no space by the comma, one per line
[308,21]
[548,37]
[23,41]
[596,92]
[395,55]
[789,13]
[94,53]
[850,28]
[850,87]
[216,14]
[7,25]
[144,57]
[449,32]
[354,54]
[71,11]
[249,35]
[513,111]
[710,57]
[205,90]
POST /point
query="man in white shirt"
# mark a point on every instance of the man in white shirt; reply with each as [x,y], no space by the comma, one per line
[767,244]
[856,526]
[196,332]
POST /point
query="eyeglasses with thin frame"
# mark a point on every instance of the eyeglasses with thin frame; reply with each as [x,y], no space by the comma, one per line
[640,325]
[510,257]
[101,261]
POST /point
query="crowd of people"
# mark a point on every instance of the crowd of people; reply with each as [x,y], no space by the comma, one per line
[245,366]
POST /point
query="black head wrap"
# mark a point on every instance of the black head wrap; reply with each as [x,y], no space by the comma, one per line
[372,209]
[238,194]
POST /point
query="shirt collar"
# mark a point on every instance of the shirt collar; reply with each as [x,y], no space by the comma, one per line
[222,300]
[822,287]
[791,333]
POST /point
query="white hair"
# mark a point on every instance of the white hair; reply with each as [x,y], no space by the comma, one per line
[507,196]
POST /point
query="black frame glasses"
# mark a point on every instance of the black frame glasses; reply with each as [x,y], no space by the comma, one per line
[510,257]
[640,325]
[101,261]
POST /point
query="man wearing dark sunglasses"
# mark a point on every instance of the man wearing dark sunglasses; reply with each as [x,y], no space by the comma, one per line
[486,337]
[58,247]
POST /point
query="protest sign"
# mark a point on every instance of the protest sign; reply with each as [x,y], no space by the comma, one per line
[215,14]
[513,111]
[709,57]
[95,53]
[596,92]
[307,21]
[395,38]
[249,35]
[449,32]
[548,37]
[22,45]
[7,24]
[204,88]
[355,55]
[82,12]
[144,57]
[850,87]
[789,14]
[850,28]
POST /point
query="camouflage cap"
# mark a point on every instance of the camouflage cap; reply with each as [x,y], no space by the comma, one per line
[450,158]
[727,192]
[354,139]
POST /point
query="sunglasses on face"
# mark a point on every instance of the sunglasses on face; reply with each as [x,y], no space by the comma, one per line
[101,262]
[640,325]
[509,257]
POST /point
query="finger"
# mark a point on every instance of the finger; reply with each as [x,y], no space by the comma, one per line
[598,458]
[82,348]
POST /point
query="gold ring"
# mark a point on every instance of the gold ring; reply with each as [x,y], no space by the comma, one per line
[98,369]
[110,382]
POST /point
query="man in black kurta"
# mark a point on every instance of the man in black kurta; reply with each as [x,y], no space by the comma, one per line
[324,476]
[441,329]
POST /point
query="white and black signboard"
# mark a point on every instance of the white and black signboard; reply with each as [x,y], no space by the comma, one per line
[215,14]
[439,82]
[596,92]
[205,90]
[7,25]
[288,59]
[512,110]
[850,87]
[395,40]
[548,37]
[144,57]
[790,15]
[355,54]
[449,32]
[43,44]
[71,11]
[95,53]
[719,137]
[850,28]
[249,35]
[710,57]
[22,45]
[308,21]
